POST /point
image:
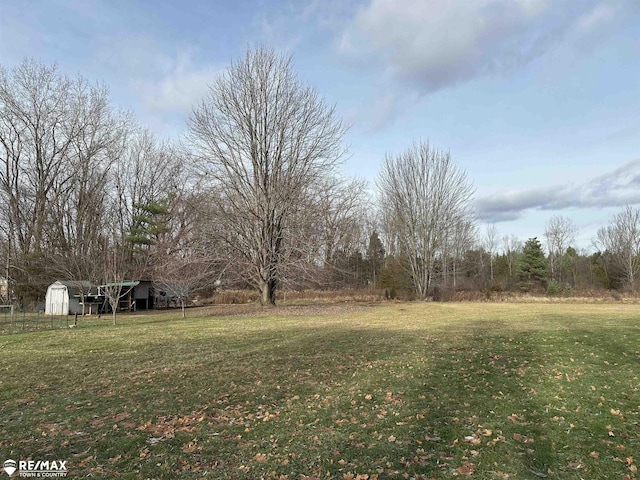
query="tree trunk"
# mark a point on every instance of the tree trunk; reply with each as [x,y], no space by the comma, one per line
[184,313]
[268,292]
[455,273]
[491,265]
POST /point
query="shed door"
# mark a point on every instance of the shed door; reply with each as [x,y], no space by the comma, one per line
[58,301]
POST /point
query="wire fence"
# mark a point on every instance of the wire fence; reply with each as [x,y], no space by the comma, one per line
[14,319]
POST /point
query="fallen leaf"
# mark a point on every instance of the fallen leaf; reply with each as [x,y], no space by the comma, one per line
[467,468]
[472,439]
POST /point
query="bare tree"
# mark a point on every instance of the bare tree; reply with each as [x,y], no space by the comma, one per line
[57,143]
[340,204]
[36,130]
[511,247]
[182,276]
[621,238]
[491,244]
[263,139]
[462,240]
[560,233]
[423,194]
[114,276]
[149,185]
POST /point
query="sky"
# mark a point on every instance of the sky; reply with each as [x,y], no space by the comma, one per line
[538,100]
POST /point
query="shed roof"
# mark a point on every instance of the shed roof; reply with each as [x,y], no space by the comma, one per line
[74,287]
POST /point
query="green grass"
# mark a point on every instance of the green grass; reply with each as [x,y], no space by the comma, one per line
[495,391]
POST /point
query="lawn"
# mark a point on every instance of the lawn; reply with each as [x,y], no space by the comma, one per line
[491,391]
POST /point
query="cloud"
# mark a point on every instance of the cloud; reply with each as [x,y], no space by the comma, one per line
[180,86]
[434,44]
[288,25]
[615,189]
[382,111]
[163,79]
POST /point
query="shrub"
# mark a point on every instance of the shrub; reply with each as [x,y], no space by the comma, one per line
[567,289]
[553,289]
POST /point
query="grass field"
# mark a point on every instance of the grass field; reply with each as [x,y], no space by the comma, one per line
[492,391]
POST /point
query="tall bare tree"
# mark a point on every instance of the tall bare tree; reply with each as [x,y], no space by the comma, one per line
[423,194]
[511,247]
[560,233]
[491,244]
[461,240]
[263,139]
[340,203]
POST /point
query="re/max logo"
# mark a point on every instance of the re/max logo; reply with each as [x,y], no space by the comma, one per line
[36,469]
[40,465]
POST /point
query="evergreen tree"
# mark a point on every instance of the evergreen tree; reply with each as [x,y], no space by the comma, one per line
[532,266]
[375,258]
[150,223]
[395,278]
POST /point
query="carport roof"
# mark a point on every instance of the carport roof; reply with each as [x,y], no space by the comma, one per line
[122,284]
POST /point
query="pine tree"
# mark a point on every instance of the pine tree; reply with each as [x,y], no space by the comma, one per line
[532,267]
[375,258]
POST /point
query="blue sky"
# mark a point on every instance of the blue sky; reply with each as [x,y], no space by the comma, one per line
[539,100]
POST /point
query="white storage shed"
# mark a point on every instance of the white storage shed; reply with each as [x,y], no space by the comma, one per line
[63,298]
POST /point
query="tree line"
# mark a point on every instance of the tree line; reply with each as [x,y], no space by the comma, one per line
[253,197]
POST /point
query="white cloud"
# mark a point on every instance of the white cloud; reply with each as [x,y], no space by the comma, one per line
[180,87]
[594,18]
[163,79]
[433,44]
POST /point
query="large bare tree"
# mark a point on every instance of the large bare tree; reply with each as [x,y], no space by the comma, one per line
[263,139]
[423,194]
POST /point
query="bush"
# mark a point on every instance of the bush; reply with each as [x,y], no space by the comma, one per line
[567,290]
[553,289]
